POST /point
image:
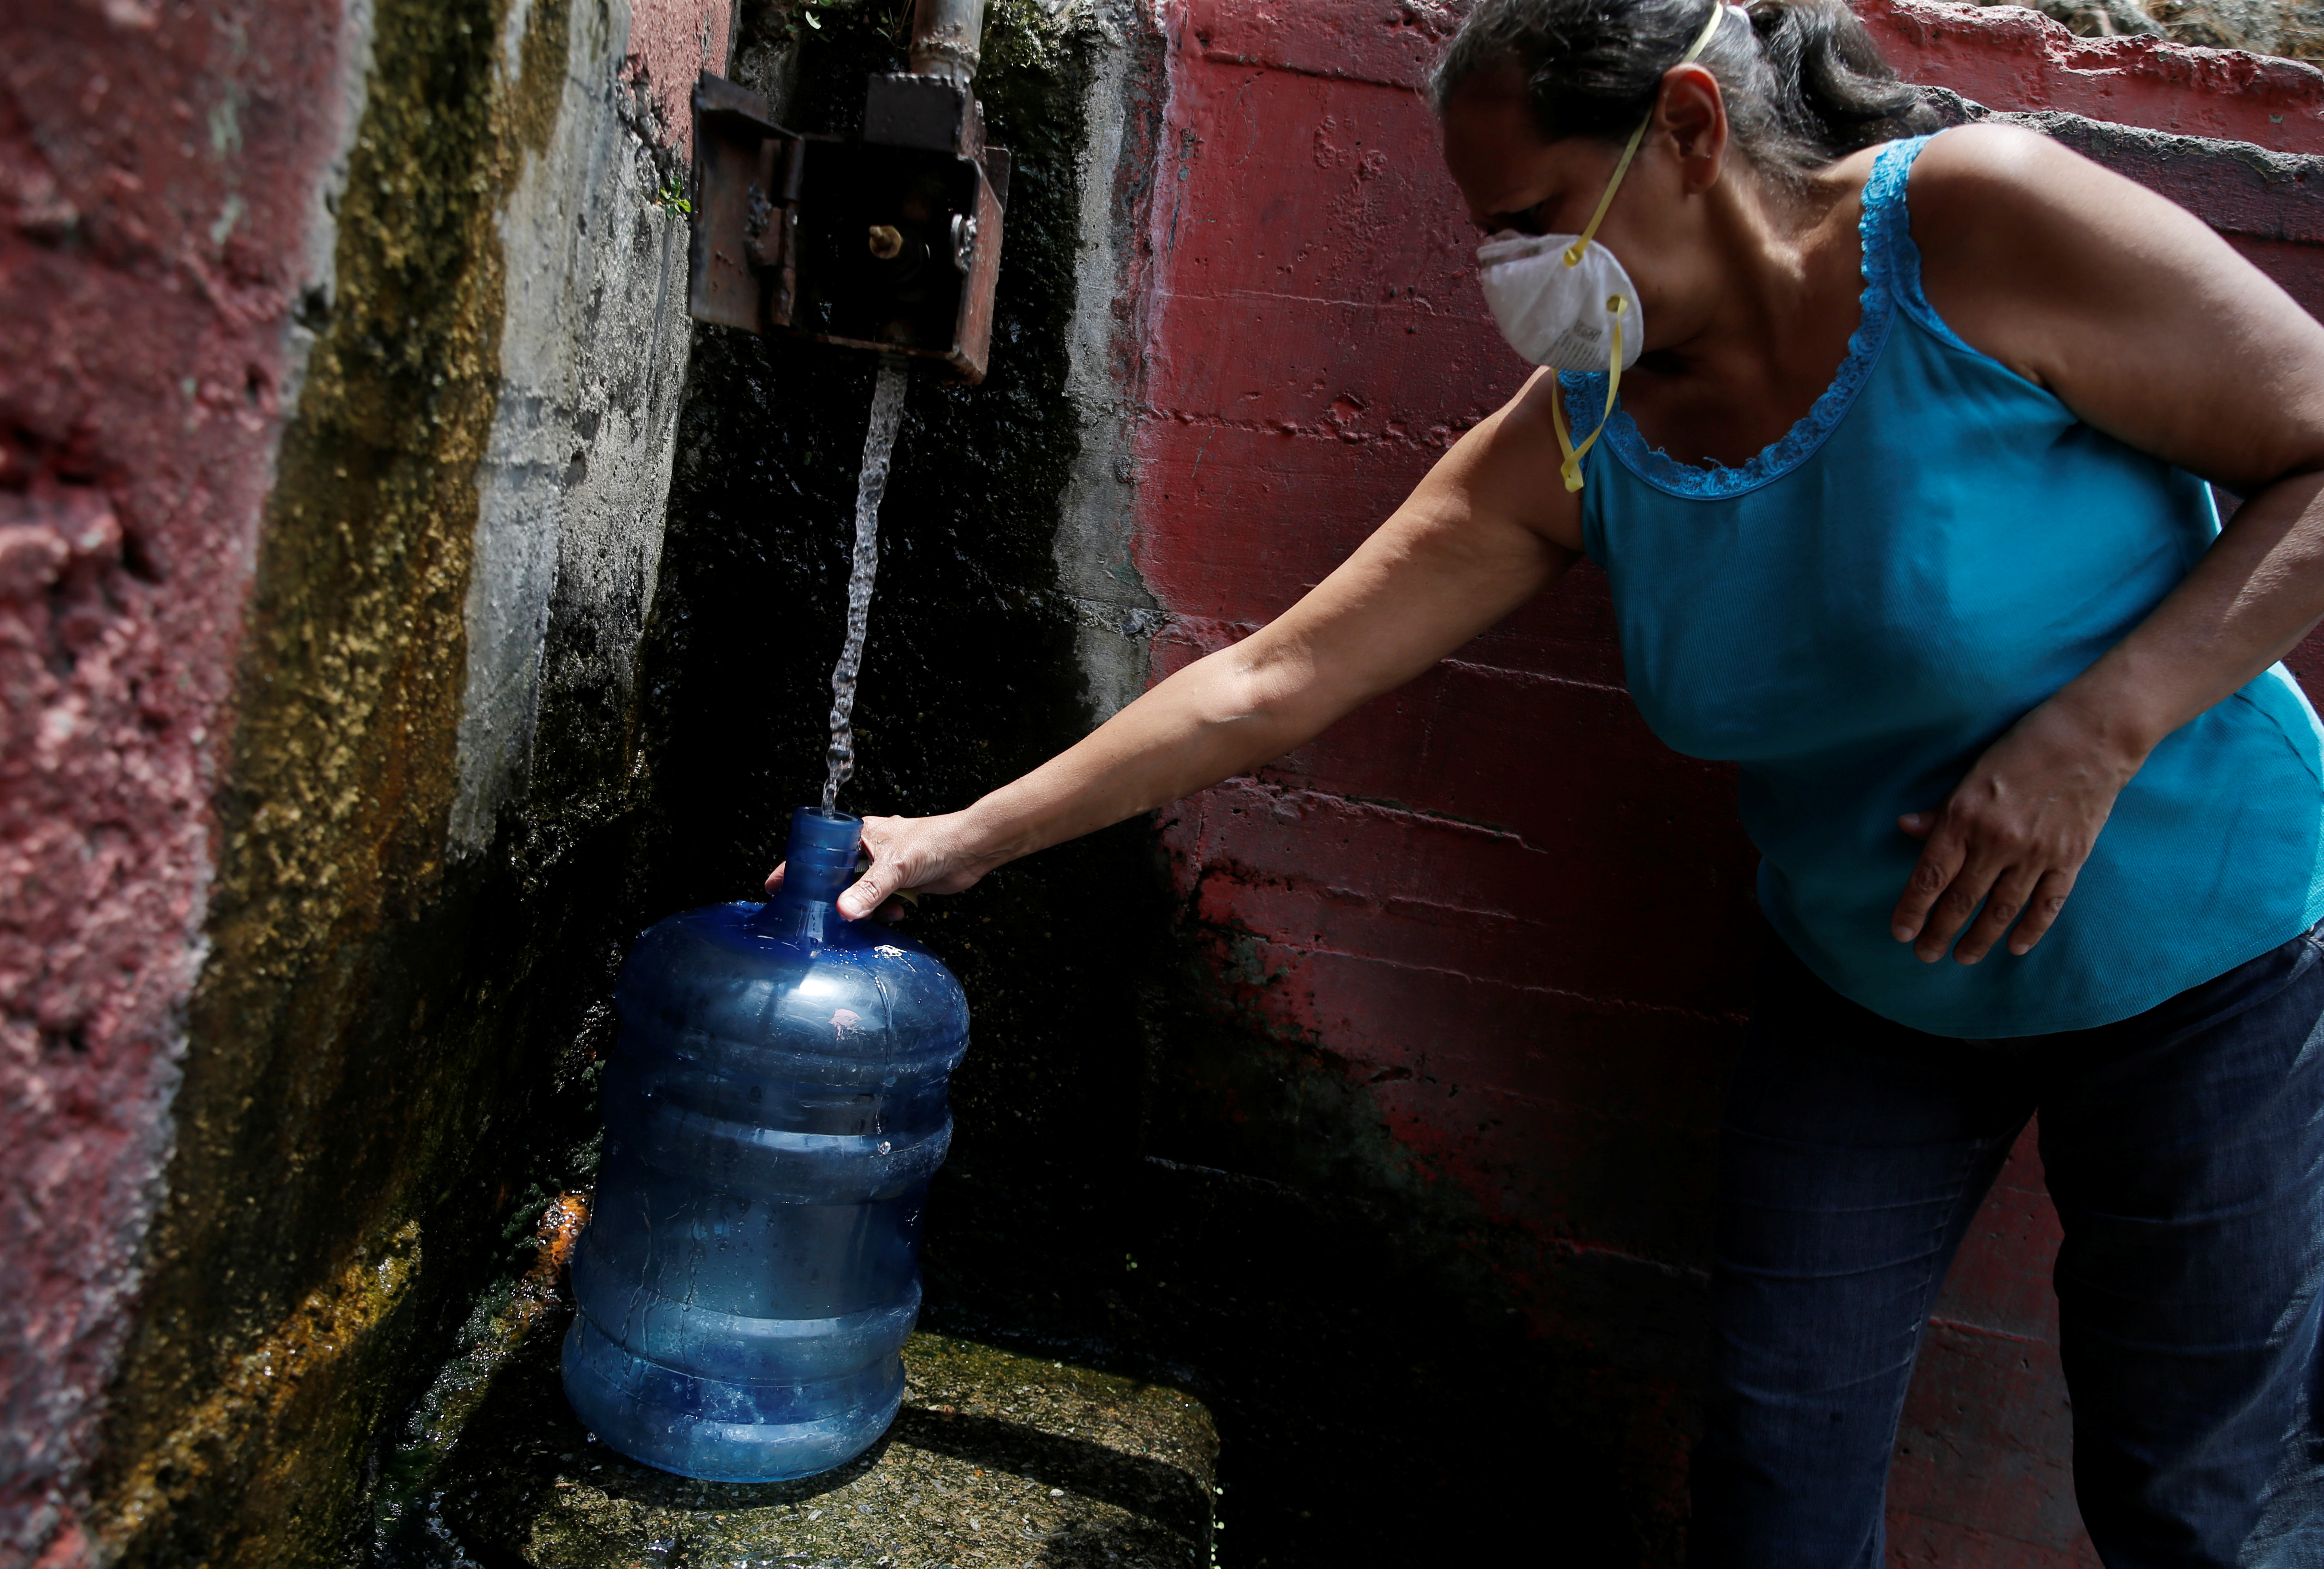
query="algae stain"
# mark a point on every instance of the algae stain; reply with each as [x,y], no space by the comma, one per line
[267,1378]
[324,1102]
[508,1314]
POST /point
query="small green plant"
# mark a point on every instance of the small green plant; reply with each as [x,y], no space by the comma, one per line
[893,18]
[671,198]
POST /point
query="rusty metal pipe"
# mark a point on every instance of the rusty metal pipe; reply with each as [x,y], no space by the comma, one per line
[945,36]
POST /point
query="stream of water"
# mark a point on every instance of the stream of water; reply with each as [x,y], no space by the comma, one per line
[878,443]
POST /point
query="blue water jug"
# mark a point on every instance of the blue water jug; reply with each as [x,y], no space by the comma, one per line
[774,1110]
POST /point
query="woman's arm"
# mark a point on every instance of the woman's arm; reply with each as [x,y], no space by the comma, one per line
[1488,529]
[2151,329]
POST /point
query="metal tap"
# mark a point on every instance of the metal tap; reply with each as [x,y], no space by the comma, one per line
[887,245]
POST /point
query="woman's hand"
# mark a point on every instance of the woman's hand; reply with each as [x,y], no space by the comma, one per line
[909,854]
[2013,835]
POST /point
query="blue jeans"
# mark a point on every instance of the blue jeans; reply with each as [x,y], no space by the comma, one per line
[2185,1152]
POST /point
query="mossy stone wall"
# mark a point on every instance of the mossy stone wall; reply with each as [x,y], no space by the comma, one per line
[387,1065]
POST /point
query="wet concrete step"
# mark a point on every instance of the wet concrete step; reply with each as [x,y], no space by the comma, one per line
[996,1460]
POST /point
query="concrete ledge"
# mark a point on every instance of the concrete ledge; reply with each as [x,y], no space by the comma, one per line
[2012,57]
[997,1462]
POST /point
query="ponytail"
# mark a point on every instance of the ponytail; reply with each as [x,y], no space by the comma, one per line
[1832,89]
[1802,81]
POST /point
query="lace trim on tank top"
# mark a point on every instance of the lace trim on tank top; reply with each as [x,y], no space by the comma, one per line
[1876,231]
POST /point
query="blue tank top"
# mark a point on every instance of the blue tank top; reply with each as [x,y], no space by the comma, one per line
[1856,612]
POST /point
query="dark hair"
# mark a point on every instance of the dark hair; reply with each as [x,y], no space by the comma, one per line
[1803,83]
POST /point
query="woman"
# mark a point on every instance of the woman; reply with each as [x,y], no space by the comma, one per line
[1902,507]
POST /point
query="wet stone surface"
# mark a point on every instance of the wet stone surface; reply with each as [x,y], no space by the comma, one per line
[996,1462]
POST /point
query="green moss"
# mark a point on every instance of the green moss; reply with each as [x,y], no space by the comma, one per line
[367,1013]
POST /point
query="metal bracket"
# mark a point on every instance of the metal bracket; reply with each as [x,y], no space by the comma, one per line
[742,269]
[890,246]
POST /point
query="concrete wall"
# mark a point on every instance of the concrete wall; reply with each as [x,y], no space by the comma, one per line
[1489,907]
[339,347]
[1458,912]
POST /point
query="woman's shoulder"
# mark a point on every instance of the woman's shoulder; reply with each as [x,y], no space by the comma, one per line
[2121,304]
[1985,173]
[2019,238]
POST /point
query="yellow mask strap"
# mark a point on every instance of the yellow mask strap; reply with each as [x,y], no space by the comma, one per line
[1571,468]
[1630,150]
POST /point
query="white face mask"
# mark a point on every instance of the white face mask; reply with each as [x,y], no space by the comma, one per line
[1574,316]
[1564,301]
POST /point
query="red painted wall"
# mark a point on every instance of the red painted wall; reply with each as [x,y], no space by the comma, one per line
[1516,917]
[671,42]
[156,161]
